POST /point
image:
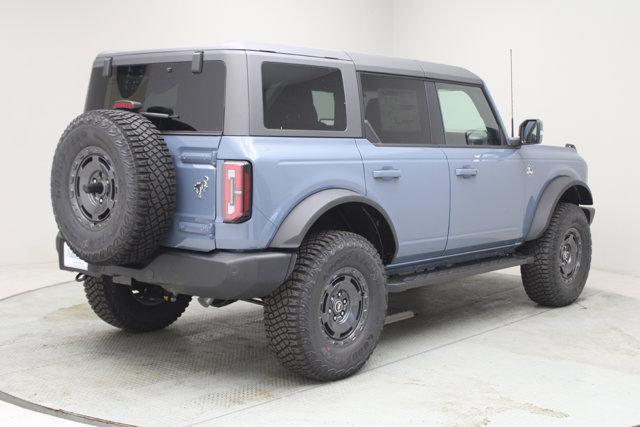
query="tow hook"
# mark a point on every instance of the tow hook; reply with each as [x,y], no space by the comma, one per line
[80,277]
[169,297]
[205,302]
[214,302]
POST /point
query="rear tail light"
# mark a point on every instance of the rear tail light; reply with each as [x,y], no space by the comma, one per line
[125,104]
[236,190]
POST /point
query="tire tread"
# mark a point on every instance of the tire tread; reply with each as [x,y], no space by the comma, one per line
[540,277]
[114,306]
[287,334]
[149,212]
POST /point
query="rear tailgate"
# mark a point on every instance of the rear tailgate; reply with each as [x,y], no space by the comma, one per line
[186,104]
[193,222]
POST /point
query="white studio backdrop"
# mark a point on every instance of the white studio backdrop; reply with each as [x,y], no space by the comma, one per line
[574,67]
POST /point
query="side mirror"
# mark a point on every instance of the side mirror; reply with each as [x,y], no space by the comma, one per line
[477,137]
[531,131]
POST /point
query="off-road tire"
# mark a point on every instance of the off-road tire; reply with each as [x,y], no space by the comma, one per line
[116,305]
[543,279]
[292,313]
[143,193]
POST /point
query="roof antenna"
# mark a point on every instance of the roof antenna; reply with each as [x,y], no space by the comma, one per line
[511,76]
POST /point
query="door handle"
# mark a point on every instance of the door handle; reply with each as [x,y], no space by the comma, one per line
[466,172]
[387,174]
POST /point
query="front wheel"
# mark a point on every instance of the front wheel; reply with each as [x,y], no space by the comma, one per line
[562,258]
[325,321]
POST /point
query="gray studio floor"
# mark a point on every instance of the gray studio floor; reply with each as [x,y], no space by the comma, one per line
[477,352]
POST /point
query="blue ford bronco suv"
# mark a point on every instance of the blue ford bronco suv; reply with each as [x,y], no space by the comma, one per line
[311,182]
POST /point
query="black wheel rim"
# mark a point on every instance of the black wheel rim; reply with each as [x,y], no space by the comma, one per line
[93,186]
[570,253]
[344,305]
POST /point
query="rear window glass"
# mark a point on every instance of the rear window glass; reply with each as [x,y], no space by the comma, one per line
[184,101]
[302,97]
[396,108]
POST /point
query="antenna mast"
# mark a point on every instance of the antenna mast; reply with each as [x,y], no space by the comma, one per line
[511,77]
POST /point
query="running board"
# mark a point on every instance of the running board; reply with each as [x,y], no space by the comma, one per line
[446,274]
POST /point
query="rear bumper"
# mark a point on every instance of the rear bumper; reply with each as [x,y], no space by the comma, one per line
[220,274]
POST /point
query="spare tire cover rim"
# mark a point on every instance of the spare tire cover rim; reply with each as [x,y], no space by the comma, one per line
[93,187]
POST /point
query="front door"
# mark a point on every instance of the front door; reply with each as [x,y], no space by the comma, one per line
[404,172]
[487,176]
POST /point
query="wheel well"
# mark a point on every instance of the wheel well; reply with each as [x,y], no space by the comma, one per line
[361,219]
[578,195]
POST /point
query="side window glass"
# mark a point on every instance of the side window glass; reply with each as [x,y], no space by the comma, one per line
[396,108]
[467,116]
[325,105]
[296,96]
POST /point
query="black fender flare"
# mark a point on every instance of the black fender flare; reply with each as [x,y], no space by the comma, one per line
[549,200]
[298,222]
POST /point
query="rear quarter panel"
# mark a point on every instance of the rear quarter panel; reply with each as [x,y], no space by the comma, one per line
[286,170]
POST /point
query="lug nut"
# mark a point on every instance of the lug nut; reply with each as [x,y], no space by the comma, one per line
[344,301]
[342,313]
[335,317]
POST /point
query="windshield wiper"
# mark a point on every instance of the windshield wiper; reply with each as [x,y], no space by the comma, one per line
[159,115]
[163,113]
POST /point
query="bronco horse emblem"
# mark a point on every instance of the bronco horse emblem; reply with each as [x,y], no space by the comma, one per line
[201,186]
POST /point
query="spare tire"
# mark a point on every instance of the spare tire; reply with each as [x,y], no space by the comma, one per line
[113,187]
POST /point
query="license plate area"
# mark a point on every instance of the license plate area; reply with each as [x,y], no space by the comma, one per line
[71,260]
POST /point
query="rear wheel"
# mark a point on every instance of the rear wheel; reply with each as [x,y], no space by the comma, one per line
[325,321]
[137,308]
[562,258]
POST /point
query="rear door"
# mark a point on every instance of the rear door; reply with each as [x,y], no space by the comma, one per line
[404,171]
[487,176]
